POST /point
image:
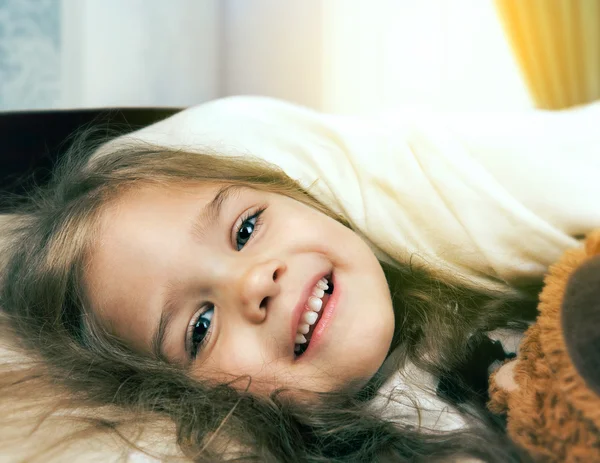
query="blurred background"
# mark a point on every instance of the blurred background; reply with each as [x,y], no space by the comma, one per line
[339,56]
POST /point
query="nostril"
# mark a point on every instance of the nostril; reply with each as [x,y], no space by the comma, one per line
[263,303]
[275,275]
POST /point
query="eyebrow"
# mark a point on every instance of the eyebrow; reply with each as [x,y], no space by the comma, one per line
[206,219]
[211,212]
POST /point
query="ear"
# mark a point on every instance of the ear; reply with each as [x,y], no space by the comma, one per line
[580,315]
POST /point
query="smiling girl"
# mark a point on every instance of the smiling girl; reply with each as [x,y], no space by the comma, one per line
[228,280]
[219,294]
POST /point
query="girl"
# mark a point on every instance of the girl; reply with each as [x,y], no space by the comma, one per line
[214,293]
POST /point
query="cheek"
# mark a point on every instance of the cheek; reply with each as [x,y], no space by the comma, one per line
[311,231]
[235,361]
[238,355]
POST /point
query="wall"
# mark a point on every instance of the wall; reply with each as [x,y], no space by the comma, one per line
[354,55]
[91,53]
[335,55]
[30,50]
[139,52]
[274,48]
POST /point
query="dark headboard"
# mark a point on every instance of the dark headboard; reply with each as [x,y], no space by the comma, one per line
[31,141]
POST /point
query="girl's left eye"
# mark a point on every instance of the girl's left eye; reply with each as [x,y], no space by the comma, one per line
[248,225]
[199,330]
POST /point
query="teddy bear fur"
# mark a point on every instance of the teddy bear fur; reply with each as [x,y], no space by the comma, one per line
[550,392]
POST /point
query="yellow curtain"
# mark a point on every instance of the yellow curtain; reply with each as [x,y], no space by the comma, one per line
[557,46]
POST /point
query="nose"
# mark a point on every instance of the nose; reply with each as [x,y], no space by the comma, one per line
[256,287]
[580,316]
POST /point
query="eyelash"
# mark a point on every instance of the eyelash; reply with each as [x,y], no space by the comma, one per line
[249,215]
[193,349]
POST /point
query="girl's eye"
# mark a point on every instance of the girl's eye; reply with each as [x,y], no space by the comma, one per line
[247,228]
[199,330]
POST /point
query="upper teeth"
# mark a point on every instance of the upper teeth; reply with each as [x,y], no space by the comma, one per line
[313,307]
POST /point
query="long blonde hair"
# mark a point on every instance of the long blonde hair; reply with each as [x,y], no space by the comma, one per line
[42,295]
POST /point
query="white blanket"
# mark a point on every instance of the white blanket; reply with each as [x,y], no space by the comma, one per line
[490,197]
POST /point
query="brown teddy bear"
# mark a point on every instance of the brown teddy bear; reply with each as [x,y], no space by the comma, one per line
[551,392]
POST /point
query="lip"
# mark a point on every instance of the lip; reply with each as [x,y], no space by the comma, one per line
[300,306]
[322,324]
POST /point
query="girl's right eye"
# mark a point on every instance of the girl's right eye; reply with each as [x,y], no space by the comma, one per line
[246,227]
[199,329]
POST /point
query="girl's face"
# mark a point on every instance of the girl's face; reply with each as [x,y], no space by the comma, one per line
[230,281]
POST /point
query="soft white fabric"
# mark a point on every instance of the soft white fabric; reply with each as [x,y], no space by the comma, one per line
[490,197]
[408,397]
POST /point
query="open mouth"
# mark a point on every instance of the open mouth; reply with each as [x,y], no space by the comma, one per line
[312,314]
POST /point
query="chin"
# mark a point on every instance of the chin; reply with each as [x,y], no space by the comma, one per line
[359,370]
[355,383]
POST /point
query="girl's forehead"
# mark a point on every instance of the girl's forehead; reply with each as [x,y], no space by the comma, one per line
[145,216]
[138,237]
[168,191]
[148,200]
